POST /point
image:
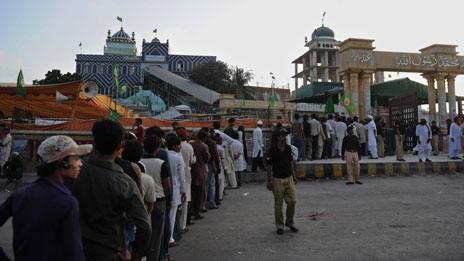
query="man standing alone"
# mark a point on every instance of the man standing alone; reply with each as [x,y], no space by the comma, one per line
[424,136]
[282,182]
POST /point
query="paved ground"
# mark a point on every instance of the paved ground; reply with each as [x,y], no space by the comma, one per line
[394,218]
[386,218]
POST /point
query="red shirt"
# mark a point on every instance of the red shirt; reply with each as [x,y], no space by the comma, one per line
[140,133]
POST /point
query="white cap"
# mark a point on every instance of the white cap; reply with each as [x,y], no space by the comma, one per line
[60,146]
[259,122]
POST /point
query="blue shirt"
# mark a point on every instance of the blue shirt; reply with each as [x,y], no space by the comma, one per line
[45,222]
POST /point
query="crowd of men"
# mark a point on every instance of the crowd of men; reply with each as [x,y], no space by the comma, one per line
[131,198]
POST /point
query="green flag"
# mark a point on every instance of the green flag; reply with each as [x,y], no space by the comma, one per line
[114,115]
[329,106]
[116,78]
[119,18]
[242,101]
[346,101]
[20,89]
[272,99]
[123,90]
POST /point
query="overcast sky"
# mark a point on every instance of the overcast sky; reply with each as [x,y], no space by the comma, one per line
[259,35]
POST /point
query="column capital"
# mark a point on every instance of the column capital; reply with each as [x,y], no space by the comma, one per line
[440,76]
[354,75]
[451,76]
[428,77]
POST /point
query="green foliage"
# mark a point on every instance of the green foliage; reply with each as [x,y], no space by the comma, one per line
[54,76]
[219,77]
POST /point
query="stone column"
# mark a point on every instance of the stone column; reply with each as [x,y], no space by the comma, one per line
[305,76]
[355,92]
[441,100]
[431,97]
[366,82]
[451,96]
[315,68]
[346,84]
[326,67]
[459,106]
[296,78]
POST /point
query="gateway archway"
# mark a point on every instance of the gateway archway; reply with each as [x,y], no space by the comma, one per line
[438,63]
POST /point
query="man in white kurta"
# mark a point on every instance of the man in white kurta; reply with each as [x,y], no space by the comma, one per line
[5,147]
[186,150]
[372,137]
[258,147]
[454,140]
[176,162]
[229,162]
[424,138]
[340,130]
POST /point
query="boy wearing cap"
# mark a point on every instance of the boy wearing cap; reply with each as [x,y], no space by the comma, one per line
[282,181]
[45,213]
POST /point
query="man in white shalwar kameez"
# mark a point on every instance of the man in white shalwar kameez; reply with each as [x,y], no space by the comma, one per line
[340,130]
[454,139]
[424,138]
[372,137]
[5,146]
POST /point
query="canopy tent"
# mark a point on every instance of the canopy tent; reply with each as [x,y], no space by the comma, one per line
[145,98]
[40,102]
[318,92]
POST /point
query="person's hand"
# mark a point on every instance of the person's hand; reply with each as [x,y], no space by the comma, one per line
[295,180]
[270,185]
[183,196]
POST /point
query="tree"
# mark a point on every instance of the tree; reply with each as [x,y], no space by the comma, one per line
[215,75]
[55,76]
[239,81]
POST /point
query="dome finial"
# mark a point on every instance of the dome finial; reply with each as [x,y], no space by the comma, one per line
[323,16]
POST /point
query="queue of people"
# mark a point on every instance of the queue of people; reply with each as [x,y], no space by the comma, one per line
[130,195]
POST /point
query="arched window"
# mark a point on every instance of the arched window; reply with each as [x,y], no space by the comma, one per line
[124,69]
[78,68]
[180,66]
[109,68]
[94,68]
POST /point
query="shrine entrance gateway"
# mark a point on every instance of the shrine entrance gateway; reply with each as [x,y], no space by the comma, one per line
[437,63]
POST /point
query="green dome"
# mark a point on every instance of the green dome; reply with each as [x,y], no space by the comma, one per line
[323,32]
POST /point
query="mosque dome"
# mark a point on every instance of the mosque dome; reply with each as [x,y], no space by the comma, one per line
[155,40]
[323,31]
[121,36]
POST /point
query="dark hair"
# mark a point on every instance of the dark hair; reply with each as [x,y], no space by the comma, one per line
[155,130]
[279,125]
[139,120]
[151,144]
[47,169]
[216,125]
[174,123]
[313,116]
[297,116]
[331,116]
[202,134]
[132,151]
[305,117]
[107,135]
[172,140]
[231,120]
[241,128]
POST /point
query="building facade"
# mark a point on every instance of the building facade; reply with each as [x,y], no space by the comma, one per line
[319,63]
[121,50]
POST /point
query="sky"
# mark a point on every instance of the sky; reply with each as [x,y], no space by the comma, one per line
[259,35]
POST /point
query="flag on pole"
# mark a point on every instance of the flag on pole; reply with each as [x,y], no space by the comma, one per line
[114,115]
[346,101]
[20,89]
[119,19]
[329,106]
[272,100]
[155,31]
[123,90]
[116,75]
[80,44]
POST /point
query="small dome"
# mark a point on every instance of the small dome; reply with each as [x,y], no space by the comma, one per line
[323,32]
[121,35]
[155,40]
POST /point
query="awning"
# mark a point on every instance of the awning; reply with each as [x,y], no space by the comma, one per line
[198,91]
[317,92]
[397,88]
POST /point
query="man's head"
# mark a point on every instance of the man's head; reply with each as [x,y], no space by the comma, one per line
[330,116]
[173,142]
[202,134]
[133,151]
[305,117]
[350,129]
[281,135]
[313,116]
[182,133]
[259,123]
[151,144]
[138,121]
[216,125]
[108,137]
[434,123]
[423,121]
[297,116]
[155,130]
[231,121]
[355,119]
[174,125]
[457,119]
[60,156]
